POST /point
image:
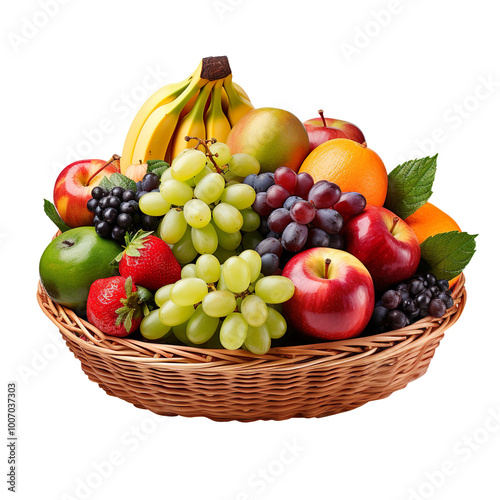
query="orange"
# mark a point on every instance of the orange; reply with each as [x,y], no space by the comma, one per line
[429,220]
[350,165]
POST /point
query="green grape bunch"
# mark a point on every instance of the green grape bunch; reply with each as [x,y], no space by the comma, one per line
[234,301]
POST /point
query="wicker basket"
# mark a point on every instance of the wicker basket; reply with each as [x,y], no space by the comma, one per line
[298,381]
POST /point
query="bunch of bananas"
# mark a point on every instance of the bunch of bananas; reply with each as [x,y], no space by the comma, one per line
[205,105]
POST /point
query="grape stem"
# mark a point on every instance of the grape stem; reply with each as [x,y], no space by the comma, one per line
[321,113]
[206,144]
[327,265]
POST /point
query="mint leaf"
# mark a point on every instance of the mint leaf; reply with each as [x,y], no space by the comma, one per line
[157,167]
[52,214]
[117,180]
[446,254]
[410,186]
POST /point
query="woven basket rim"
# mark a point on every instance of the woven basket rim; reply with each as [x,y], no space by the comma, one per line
[355,351]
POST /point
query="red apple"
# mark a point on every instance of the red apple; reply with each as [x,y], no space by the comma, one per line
[324,129]
[334,295]
[73,189]
[384,243]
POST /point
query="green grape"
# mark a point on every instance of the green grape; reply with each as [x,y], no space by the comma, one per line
[276,307]
[251,220]
[252,258]
[210,188]
[187,164]
[197,213]
[153,204]
[173,226]
[189,271]
[171,314]
[236,273]
[167,175]
[229,241]
[239,196]
[219,303]
[184,250]
[227,217]
[251,240]
[188,291]
[258,339]
[151,326]
[242,164]
[222,254]
[275,323]
[180,333]
[222,151]
[208,268]
[221,284]
[232,179]
[233,331]
[274,289]
[163,294]
[206,170]
[254,310]
[176,192]
[204,239]
[201,327]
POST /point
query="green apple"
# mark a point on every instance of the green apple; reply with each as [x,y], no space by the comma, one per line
[72,262]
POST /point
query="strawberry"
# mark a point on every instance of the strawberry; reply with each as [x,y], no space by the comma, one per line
[113,306]
[149,260]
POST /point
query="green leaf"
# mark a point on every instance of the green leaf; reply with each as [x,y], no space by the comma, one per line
[118,180]
[157,167]
[446,254]
[410,186]
[52,214]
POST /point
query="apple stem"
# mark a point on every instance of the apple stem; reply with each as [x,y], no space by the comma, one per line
[395,220]
[320,111]
[115,157]
[327,265]
[363,145]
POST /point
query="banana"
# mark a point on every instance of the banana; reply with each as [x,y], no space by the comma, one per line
[238,105]
[166,94]
[160,126]
[216,123]
[192,124]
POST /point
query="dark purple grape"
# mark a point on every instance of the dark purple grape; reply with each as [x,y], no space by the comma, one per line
[139,187]
[104,202]
[396,319]
[269,245]
[437,308]
[124,220]
[114,202]
[98,211]
[270,264]
[286,178]
[324,194]
[149,222]
[336,241]
[443,285]
[350,203]
[272,234]
[447,299]
[428,292]
[263,228]
[103,229]
[118,233]
[95,220]
[431,279]
[424,312]
[317,238]
[117,191]
[150,181]
[423,300]
[391,299]
[140,194]
[416,286]
[402,286]
[434,290]
[97,193]
[263,182]
[109,214]
[294,237]
[261,206]
[128,195]
[134,205]
[304,184]
[276,196]
[278,220]
[92,204]
[329,220]
[126,208]
[405,294]
[290,202]
[303,212]
[379,316]
[250,180]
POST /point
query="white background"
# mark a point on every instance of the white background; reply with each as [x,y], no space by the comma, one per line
[419,69]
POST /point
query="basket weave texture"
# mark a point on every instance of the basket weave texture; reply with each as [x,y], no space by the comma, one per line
[313,380]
